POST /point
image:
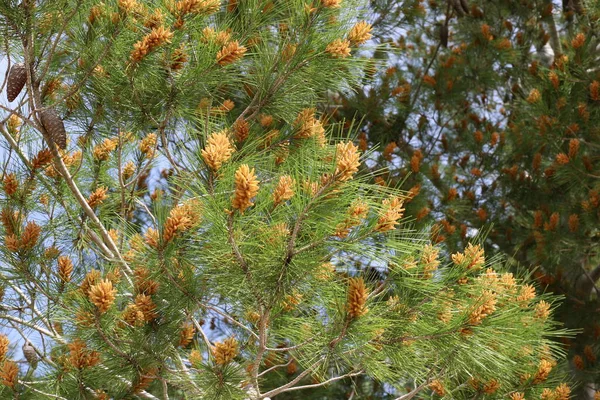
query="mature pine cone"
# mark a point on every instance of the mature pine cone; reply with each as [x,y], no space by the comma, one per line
[16,80]
[30,354]
[573,6]
[444,35]
[54,127]
[460,6]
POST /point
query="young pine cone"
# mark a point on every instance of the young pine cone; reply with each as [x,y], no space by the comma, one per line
[16,80]
[30,354]
[54,127]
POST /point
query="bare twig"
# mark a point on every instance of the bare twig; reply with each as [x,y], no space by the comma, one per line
[414,392]
[45,394]
[266,371]
[291,383]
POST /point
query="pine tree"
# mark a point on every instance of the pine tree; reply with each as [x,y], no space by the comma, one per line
[487,113]
[179,221]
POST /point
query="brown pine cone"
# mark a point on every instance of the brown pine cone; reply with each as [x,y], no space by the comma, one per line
[30,354]
[16,81]
[54,127]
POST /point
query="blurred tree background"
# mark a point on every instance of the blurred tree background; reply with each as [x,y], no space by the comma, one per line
[488,113]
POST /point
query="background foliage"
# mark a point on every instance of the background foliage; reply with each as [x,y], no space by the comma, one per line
[489,112]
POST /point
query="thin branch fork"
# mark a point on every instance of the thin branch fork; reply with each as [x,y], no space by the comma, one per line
[274,367]
[414,392]
[291,348]
[262,345]
[423,337]
[203,334]
[334,379]
[106,340]
[38,351]
[290,252]
[47,395]
[32,326]
[186,371]
[230,318]
[240,258]
[290,386]
[26,299]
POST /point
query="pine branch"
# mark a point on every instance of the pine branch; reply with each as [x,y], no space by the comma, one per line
[291,348]
[324,383]
[59,34]
[203,334]
[240,258]
[35,94]
[274,367]
[231,319]
[32,326]
[554,38]
[29,302]
[45,394]
[186,371]
[415,391]
[293,382]
[262,345]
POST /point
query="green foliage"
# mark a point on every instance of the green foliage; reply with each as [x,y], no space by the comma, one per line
[206,233]
[496,131]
